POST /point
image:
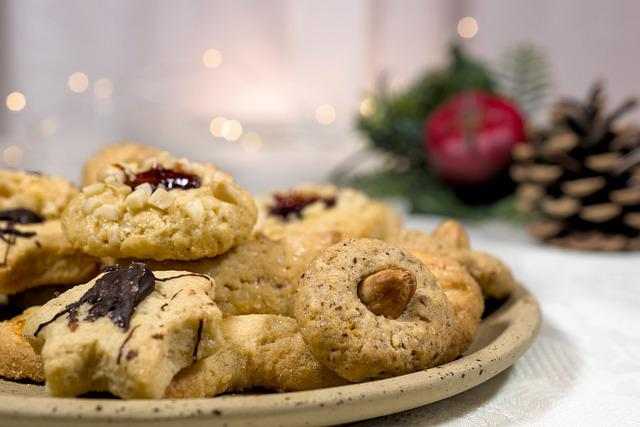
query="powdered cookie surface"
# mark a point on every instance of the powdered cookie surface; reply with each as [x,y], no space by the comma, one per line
[161,208]
[127,332]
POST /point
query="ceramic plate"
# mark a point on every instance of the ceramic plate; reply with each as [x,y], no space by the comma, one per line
[502,338]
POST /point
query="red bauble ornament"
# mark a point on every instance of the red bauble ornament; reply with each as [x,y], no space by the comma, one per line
[470,137]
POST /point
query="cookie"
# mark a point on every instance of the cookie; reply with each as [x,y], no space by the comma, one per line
[493,276]
[263,351]
[261,275]
[453,234]
[161,208]
[121,152]
[464,295]
[324,208]
[128,332]
[46,196]
[38,254]
[18,361]
[368,310]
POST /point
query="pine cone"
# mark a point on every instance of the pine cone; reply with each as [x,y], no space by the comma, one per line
[581,177]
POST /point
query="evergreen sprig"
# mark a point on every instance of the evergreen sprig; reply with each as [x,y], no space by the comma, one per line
[524,74]
[397,122]
[426,194]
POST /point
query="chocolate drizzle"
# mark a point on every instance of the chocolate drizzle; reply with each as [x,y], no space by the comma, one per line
[293,203]
[9,234]
[20,216]
[115,295]
[169,178]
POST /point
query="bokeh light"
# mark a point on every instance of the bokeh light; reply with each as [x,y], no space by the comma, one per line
[12,156]
[78,82]
[467,27]
[231,130]
[103,88]
[212,58]
[325,114]
[367,107]
[16,101]
[215,127]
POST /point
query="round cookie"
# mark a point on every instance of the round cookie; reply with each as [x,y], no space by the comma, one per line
[160,208]
[323,208]
[259,276]
[464,294]
[450,239]
[18,360]
[121,152]
[44,195]
[260,350]
[367,310]
[453,234]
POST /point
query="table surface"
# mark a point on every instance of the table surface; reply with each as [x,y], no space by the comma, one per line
[584,367]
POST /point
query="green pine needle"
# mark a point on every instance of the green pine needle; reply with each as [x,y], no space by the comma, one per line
[426,194]
[397,123]
[524,75]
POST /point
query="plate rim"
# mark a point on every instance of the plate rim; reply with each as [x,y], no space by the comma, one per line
[352,402]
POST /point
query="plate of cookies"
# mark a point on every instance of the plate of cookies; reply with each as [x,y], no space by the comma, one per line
[162,291]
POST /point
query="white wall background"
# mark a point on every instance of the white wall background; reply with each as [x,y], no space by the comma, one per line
[281,60]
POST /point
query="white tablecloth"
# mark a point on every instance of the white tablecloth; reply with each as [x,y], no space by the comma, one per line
[584,367]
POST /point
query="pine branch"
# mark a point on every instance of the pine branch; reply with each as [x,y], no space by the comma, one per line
[524,76]
[397,122]
[427,195]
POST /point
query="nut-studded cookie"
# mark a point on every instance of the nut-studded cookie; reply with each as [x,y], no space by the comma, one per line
[324,208]
[260,350]
[121,152]
[259,276]
[18,361]
[368,310]
[160,208]
[47,196]
[128,332]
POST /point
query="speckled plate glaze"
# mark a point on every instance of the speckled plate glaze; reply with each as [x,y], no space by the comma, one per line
[503,337]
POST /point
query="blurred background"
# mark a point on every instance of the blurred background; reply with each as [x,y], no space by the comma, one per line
[291,74]
[270,90]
